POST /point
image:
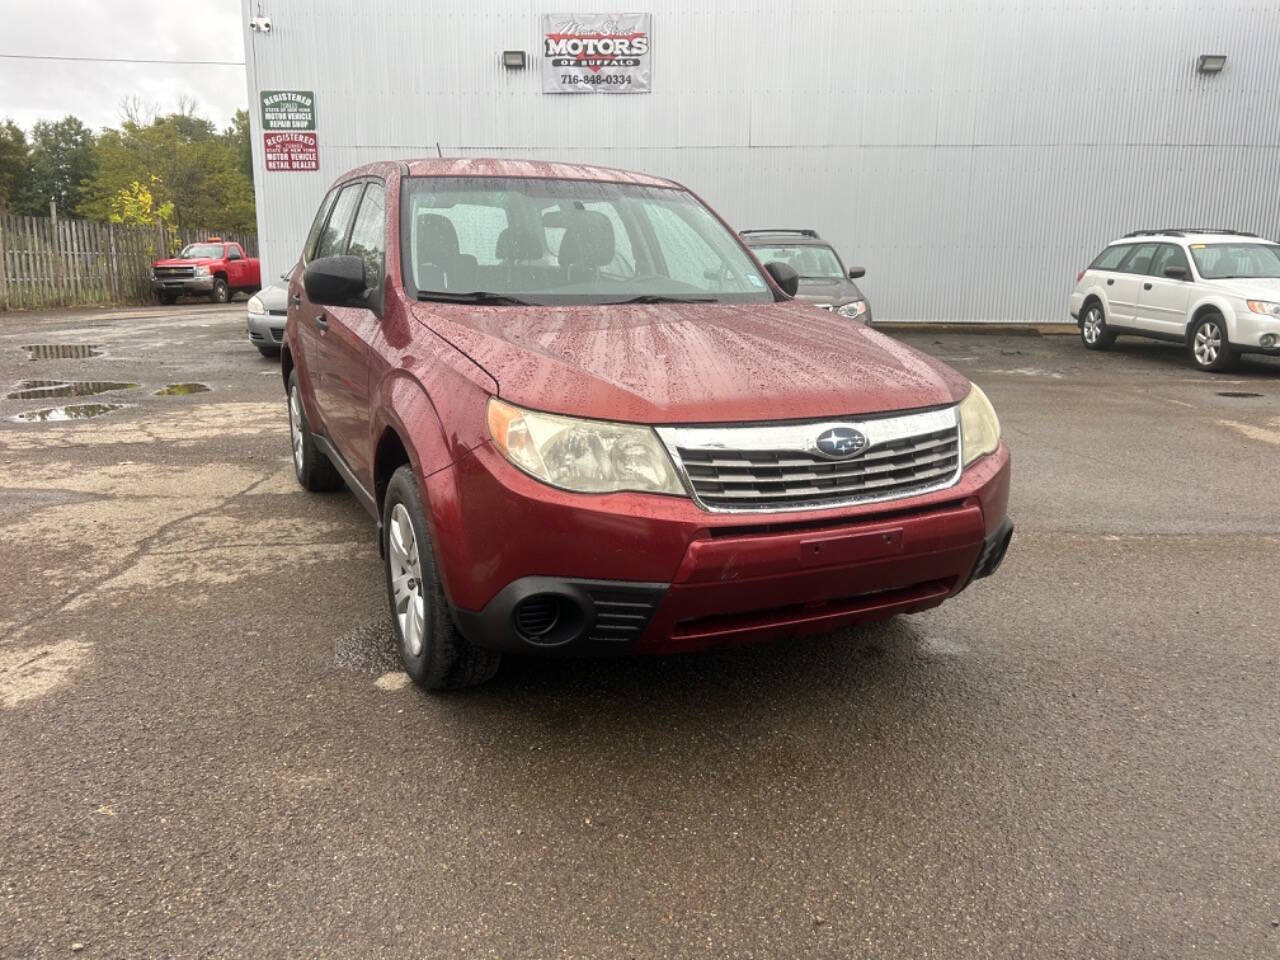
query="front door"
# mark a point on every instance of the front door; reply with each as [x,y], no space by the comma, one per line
[1162,301]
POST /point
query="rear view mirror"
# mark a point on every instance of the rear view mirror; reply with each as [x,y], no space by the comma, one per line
[335,282]
[857,273]
[1177,273]
[784,276]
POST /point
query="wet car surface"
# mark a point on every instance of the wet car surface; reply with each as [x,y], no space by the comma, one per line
[210,750]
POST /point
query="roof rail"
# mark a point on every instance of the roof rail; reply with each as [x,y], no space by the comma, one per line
[1183,231]
[798,232]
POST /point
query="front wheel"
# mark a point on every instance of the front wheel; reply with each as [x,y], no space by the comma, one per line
[1093,329]
[1210,349]
[221,292]
[435,653]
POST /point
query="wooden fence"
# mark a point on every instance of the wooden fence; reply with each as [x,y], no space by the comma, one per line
[47,262]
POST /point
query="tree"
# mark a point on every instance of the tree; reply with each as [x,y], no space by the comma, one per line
[182,161]
[62,159]
[15,164]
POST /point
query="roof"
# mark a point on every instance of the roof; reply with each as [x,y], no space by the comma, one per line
[496,167]
[781,235]
[1198,233]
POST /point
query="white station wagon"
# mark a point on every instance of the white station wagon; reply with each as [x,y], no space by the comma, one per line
[1217,291]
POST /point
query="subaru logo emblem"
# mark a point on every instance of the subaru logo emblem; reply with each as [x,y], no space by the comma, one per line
[841,442]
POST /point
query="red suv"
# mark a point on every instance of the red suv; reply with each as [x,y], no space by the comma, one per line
[588,421]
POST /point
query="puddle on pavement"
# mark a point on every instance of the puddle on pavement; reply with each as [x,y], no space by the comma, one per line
[182,389]
[62,351]
[1238,394]
[39,389]
[74,411]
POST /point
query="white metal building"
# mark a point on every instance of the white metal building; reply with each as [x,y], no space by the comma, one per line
[973,155]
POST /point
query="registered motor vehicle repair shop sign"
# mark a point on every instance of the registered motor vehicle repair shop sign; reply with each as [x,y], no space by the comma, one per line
[289,140]
[596,52]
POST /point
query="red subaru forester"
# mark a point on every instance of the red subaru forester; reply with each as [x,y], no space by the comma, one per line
[588,421]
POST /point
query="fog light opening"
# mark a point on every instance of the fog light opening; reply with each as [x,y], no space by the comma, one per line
[536,617]
[1269,340]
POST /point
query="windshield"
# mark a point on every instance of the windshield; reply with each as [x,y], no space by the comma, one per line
[1221,261]
[811,261]
[201,251]
[566,242]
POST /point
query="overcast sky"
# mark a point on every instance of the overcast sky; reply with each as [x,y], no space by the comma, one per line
[32,90]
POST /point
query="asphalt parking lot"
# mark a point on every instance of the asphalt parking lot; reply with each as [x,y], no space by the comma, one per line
[207,751]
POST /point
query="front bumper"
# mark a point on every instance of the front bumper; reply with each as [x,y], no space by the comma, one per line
[266,329]
[633,573]
[182,285]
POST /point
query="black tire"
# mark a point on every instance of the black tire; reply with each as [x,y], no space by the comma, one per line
[310,466]
[442,658]
[1093,328]
[272,353]
[221,292]
[1208,344]
[168,299]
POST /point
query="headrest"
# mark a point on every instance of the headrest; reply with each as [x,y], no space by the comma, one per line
[517,244]
[588,241]
[437,239]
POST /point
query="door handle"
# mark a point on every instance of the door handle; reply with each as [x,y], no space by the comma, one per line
[1146,286]
[295,300]
[322,322]
[1111,281]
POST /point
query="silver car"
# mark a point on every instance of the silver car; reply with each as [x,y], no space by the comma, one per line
[268,309]
[824,281]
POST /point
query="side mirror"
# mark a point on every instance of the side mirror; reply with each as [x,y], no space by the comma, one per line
[336,282]
[1177,273]
[857,273]
[784,276]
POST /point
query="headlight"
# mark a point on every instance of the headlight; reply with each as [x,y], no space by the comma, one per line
[1262,306]
[855,310]
[202,271]
[979,426]
[255,306]
[589,456]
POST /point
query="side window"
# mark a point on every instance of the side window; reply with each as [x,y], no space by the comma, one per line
[690,259]
[333,239]
[313,235]
[233,252]
[368,235]
[1169,255]
[1140,260]
[1109,259]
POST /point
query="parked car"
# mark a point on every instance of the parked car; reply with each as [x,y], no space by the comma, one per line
[587,422]
[824,281]
[265,316]
[213,268]
[1217,291]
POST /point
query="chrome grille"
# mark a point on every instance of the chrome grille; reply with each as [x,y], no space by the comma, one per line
[778,466]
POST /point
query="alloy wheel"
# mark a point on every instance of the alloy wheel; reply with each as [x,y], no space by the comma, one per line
[1208,344]
[406,579]
[295,427]
[1092,325]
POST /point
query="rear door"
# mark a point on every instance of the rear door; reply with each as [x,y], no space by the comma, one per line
[1162,301]
[1125,283]
[312,319]
[347,342]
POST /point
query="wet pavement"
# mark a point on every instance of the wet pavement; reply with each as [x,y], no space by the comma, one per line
[206,748]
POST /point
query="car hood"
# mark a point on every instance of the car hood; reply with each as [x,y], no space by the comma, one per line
[693,363]
[1250,288]
[834,291]
[274,298]
[176,262]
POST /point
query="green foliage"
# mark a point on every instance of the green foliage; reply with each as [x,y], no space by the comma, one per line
[15,166]
[184,163]
[59,161]
[136,204]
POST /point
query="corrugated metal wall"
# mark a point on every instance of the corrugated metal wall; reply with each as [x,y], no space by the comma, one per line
[973,155]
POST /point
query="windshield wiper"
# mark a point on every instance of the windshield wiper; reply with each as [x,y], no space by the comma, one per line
[660,298]
[475,296]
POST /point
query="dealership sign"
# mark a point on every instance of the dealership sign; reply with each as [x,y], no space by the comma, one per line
[291,151]
[289,141]
[596,52]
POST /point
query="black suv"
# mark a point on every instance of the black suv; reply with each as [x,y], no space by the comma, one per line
[824,281]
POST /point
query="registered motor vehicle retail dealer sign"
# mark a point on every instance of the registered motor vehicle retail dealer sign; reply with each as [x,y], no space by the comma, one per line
[596,52]
[289,141]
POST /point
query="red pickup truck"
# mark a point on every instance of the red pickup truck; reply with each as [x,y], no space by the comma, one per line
[213,268]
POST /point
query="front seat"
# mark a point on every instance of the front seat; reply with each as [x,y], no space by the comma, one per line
[587,245]
[439,261]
